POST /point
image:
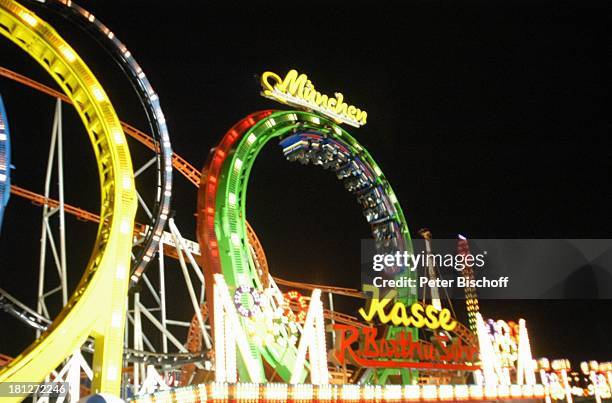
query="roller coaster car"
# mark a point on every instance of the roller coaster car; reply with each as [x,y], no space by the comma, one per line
[298,155]
[347,170]
[312,152]
[342,157]
[326,156]
[385,230]
[370,198]
[341,160]
[332,156]
[317,157]
[366,171]
[376,214]
[374,202]
[312,148]
[303,151]
[290,141]
[294,147]
[358,182]
[356,168]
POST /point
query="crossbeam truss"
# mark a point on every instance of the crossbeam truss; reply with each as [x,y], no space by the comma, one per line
[156,313]
[71,374]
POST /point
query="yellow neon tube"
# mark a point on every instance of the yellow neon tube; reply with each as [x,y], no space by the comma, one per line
[97,307]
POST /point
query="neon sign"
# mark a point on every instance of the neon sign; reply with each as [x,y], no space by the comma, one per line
[419,316]
[300,301]
[402,350]
[298,91]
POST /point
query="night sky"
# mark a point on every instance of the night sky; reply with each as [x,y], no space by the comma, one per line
[487,117]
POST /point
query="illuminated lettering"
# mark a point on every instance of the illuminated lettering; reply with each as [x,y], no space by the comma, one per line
[297,90]
[420,316]
[401,350]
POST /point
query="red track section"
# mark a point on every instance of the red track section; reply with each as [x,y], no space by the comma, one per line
[80,214]
[40,200]
[349,292]
[206,201]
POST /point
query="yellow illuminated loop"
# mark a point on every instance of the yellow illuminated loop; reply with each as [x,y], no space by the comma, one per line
[97,308]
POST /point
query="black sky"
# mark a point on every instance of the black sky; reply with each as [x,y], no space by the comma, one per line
[489,118]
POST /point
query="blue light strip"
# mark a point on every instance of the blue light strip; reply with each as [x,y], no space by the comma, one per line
[5,161]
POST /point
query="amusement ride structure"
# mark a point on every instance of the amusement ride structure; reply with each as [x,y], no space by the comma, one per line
[250,336]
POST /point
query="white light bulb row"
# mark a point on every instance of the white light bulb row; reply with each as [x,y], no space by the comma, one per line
[280,392]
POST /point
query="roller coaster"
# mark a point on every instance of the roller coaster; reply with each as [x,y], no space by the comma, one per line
[311,139]
[244,338]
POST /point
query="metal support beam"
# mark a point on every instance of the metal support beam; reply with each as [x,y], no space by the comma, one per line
[47,236]
[159,326]
[162,295]
[196,304]
[60,186]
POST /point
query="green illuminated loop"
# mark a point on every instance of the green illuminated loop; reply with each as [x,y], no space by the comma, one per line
[231,227]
